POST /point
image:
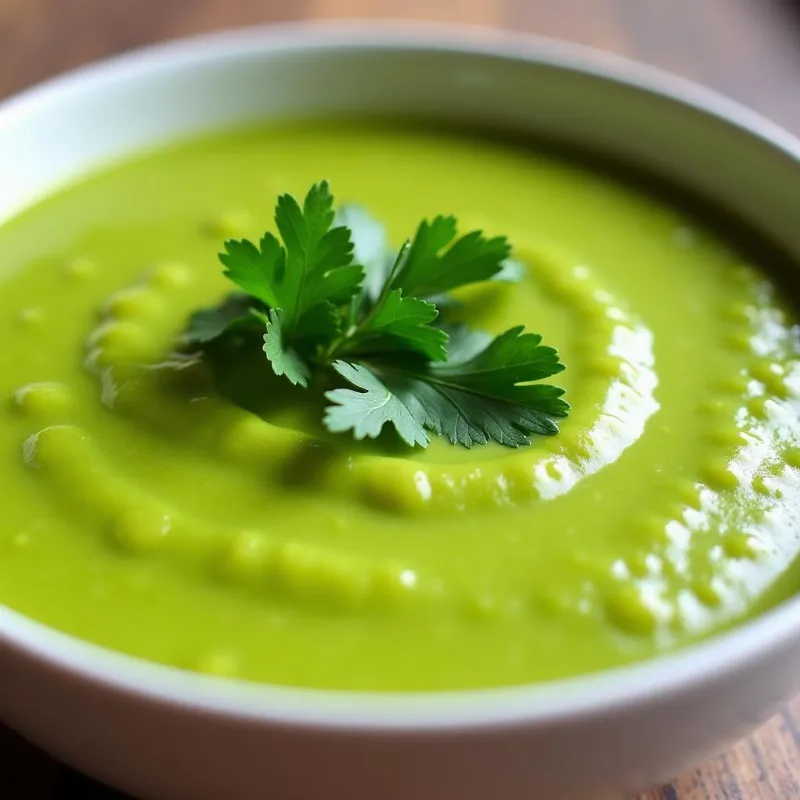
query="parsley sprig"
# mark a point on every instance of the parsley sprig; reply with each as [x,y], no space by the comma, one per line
[330,301]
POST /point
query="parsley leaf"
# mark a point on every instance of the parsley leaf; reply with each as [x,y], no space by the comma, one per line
[366,412]
[394,323]
[505,367]
[510,271]
[313,267]
[438,262]
[233,312]
[486,397]
[319,257]
[377,327]
[465,342]
[370,247]
[284,359]
[256,270]
[373,251]
[401,323]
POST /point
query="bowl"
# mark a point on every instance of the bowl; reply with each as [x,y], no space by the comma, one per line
[158,732]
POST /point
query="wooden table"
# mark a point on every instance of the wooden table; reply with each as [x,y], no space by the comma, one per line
[749,49]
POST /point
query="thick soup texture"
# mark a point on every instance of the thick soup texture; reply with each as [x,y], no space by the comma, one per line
[202,518]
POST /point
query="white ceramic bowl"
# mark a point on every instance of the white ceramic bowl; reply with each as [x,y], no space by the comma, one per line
[163,733]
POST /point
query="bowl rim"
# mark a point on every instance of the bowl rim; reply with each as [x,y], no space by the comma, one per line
[540,704]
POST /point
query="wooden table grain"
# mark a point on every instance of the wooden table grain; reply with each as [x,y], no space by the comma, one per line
[749,49]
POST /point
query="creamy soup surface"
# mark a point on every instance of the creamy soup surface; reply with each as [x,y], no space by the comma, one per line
[204,519]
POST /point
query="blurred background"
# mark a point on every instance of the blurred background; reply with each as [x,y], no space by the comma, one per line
[745,48]
[748,49]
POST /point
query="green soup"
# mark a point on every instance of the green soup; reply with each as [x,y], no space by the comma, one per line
[210,524]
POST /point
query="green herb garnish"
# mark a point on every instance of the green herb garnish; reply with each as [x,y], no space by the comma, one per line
[331,303]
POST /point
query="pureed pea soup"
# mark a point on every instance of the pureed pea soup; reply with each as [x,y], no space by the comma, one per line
[206,519]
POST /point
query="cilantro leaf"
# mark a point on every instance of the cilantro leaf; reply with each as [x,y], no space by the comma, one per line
[437,262]
[284,359]
[208,324]
[366,412]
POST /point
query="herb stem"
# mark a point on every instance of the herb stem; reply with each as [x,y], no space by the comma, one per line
[340,345]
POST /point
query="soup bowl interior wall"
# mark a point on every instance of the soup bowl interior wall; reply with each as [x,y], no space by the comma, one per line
[163,733]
